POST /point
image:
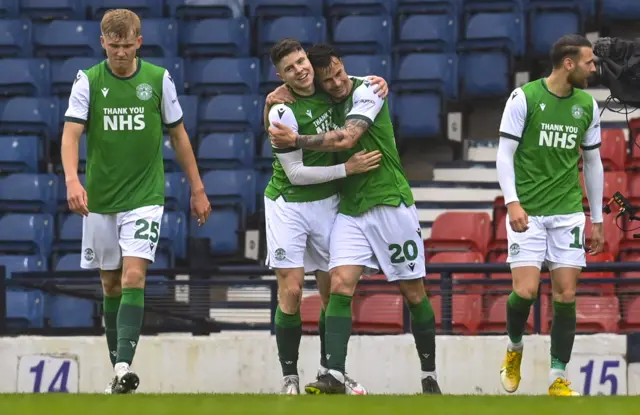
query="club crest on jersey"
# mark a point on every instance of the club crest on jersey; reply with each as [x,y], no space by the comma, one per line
[577,112]
[144,92]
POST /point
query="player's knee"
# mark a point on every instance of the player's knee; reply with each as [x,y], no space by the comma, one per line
[527,291]
[133,277]
[564,294]
[111,285]
[413,290]
[290,291]
[343,281]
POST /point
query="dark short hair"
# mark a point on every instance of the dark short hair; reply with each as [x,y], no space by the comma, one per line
[282,49]
[567,46]
[321,55]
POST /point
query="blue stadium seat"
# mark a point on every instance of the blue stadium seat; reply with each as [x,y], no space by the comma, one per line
[175,66]
[28,115]
[63,73]
[484,74]
[620,10]
[27,77]
[24,233]
[268,78]
[437,33]
[69,311]
[9,9]
[266,151]
[63,205]
[223,76]
[226,151]
[364,65]
[451,7]
[215,37]
[68,262]
[170,161]
[154,286]
[231,188]
[160,38]
[585,8]
[22,263]
[231,113]
[61,39]
[221,230]
[363,34]
[305,29]
[278,8]
[418,115]
[548,27]
[69,233]
[25,309]
[362,7]
[263,180]
[190,105]
[145,9]
[204,9]
[496,30]
[427,72]
[52,9]
[19,154]
[15,38]
[82,153]
[176,192]
[173,234]
[491,6]
[28,192]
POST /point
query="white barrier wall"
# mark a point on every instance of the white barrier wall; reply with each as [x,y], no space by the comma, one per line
[247,363]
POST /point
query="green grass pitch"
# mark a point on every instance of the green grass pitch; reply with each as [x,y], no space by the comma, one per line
[143,404]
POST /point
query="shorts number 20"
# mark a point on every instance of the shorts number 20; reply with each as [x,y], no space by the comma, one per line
[407,252]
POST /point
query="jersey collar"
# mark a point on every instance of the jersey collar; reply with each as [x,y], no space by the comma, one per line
[138,66]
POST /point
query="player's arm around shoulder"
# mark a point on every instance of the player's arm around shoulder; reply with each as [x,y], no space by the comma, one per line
[283,115]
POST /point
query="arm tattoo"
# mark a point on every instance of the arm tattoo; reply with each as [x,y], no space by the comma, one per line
[337,140]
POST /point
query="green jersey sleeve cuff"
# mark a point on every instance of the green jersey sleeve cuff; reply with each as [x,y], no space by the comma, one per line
[75,120]
[175,124]
[284,150]
[360,117]
[510,136]
[592,146]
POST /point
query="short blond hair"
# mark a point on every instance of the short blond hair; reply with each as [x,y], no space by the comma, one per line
[120,23]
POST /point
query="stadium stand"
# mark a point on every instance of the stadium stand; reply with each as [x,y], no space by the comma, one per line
[439,57]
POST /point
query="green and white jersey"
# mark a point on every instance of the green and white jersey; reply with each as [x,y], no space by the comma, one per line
[123,118]
[550,131]
[386,185]
[307,116]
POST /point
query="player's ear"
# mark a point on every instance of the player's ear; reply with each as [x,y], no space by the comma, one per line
[102,42]
[279,76]
[139,42]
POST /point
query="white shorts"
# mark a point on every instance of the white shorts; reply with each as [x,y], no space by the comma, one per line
[385,238]
[558,240]
[106,238]
[298,233]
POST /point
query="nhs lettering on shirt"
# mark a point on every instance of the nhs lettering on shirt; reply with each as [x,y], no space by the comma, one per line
[324,123]
[124,119]
[558,136]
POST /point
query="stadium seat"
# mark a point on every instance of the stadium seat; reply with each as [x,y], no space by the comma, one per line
[466,311]
[630,315]
[451,7]
[277,8]
[22,263]
[597,314]
[160,38]
[380,314]
[363,34]
[28,192]
[15,38]
[24,233]
[483,6]
[418,72]
[169,159]
[223,76]
[620,10]
[268,78]
[484,74]
[310,308]
[495,31]
[461,231]
[427,33]
[613,150]
[145,9]
[204,9]
[418,116]
[69,233]
[600,289]
[68,262]
[214,37]
[52,9]
[19,154]
[69,311]
[173,234]
[26,77]
[263,179]
[495,289]
[305,29]
[226,151]
[495,320]
[176,192]
[265,159]
[338,8]
[614,181]
[25,309]
[231,188]
[190,105]
[29,115]
[175,66]
[364,65]
[9,9]
[156,284]
[221,231]
[62,39]
[63,73]
[499,242]
[548,27]
[231,113]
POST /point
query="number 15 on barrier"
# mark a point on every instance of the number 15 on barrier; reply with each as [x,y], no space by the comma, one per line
[598,375]
[47,374]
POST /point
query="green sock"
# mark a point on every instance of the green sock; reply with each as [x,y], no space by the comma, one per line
[423,326]
[130,317]
[338,331]
[563,332]
[323,346]
[111,306]
[288,335]
[517,315]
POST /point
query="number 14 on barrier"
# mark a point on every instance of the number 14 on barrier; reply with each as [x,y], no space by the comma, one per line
[46,374]
[598,375]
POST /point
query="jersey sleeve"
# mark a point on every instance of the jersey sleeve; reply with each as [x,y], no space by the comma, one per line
[514,116]
[78,110]
[284,115]
[366,103]
[592,138]
[171,109]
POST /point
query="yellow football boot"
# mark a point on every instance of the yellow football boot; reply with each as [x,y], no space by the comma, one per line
[560,387]
[510,371]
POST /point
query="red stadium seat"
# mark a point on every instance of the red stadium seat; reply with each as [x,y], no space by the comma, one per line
[383,287]
[630,315]
[381,314]
[627,291]
[460,231]
[597,314]
[454,257]
[499,243]
[614,149]
[614,181]
[496,316]
[499,211]
[310,313]
[466,310]
[602,289]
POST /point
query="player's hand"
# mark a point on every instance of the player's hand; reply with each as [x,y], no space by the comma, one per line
[77,197]
[382,88]
[200,206]
[362,162]
[282,136]
[518,218]
[597,239]
[280,95]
